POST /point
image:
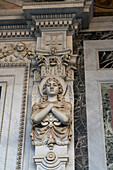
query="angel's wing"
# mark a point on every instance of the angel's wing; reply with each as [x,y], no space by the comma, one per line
[35,94]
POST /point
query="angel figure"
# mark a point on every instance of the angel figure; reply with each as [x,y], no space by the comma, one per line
[51,118]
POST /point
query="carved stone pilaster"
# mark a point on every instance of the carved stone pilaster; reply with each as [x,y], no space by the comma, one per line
[52,131]
[52,115]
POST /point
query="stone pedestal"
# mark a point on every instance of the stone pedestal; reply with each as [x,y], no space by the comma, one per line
[51,159]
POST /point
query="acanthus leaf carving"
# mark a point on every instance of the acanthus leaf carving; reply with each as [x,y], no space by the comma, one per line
[59,63]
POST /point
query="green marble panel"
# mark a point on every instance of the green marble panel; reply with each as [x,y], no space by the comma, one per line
[108,128]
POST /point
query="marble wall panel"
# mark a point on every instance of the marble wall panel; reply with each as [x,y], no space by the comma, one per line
[81,143]
[107,91]
[95,125]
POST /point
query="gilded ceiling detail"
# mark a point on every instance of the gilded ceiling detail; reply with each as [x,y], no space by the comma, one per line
[104,3]
[103,7]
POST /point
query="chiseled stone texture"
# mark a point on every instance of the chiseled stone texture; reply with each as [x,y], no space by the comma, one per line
[81,144]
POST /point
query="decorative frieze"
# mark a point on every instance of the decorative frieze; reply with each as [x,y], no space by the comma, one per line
[12,27]
[54,20]
[16,52]
[57,21]
[16,34]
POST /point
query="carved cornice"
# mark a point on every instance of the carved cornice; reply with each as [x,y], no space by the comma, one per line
[11,12]
[69,15]
[12,27]
[54,16]
[52,3]
[66,21]
[16,33]
[82,9]
[55,19]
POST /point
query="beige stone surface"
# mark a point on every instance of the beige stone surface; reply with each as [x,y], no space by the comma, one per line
[8,5]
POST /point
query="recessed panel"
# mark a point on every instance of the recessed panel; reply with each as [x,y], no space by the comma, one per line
[105,59]
[107,103]
[13,81]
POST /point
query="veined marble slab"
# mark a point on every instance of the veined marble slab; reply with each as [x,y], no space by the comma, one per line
[95,125]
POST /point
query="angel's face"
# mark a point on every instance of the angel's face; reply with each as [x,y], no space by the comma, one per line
[20,47]
[52,88]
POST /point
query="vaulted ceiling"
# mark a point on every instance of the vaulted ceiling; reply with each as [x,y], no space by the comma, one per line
[8,5]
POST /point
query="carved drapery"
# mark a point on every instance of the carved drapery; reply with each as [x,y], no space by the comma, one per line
[51,118]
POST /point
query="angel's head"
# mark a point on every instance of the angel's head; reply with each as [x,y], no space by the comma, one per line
[52,87]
